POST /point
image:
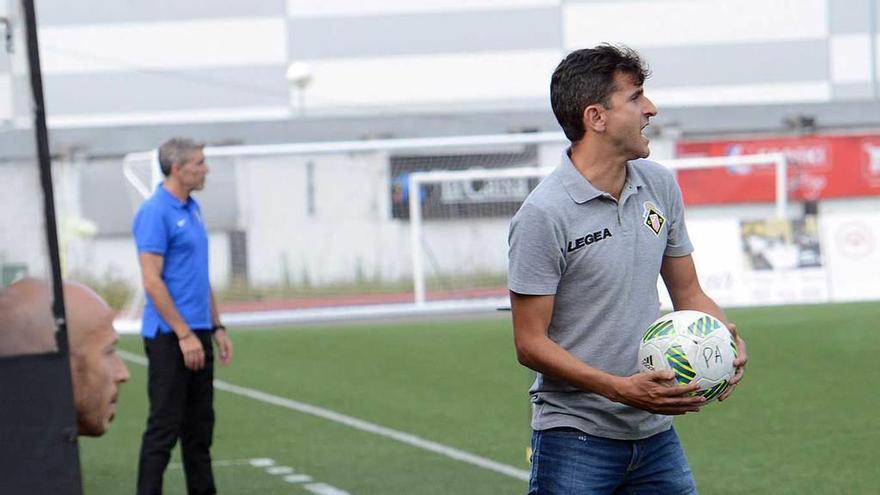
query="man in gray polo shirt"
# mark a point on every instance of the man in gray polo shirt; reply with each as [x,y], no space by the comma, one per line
[586,248]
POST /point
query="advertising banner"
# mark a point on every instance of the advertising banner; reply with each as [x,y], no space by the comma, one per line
[819,167]
[469,199]
[758,262]
[851,242]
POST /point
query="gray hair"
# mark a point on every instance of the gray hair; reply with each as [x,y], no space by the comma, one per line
[176,150]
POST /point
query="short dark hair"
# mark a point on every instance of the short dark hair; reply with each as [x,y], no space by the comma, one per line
[176,150]
[586,77]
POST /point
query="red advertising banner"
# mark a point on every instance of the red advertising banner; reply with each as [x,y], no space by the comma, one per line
[819,167]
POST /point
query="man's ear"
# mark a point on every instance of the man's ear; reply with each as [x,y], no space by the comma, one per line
[594,118]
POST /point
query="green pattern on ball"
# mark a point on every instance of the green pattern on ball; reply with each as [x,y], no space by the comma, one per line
[680,364]
[703,326]
[665,327]
[713,392]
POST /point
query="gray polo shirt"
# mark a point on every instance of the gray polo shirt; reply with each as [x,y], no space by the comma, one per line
[601,258]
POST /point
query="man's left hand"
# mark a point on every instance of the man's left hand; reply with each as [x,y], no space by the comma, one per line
[224,345]
[739,363]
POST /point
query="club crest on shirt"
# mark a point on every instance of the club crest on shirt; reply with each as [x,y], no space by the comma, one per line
[654,218]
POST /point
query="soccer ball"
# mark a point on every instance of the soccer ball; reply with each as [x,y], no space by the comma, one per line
[694,345]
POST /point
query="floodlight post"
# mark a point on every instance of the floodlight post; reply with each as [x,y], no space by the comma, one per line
[299,75]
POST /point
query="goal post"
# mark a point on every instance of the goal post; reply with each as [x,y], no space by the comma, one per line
[142,172]
[419,181]
[778,160]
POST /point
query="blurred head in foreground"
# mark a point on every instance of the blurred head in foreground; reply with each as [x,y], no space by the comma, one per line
[27,327]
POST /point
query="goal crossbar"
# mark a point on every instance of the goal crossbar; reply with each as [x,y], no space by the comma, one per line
[418,179]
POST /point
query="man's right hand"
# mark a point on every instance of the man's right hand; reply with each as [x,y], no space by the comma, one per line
[192,350]
[657,392]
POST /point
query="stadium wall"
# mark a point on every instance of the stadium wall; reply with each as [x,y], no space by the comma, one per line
[230,62]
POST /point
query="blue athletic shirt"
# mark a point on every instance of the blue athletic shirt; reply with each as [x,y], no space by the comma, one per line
[175,230]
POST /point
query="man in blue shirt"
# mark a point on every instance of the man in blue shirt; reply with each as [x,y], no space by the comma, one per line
[180,318]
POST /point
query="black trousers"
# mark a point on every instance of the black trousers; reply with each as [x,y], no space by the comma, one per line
[181,406]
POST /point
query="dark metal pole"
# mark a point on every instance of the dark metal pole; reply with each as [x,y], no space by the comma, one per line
[37,415]
[45,163]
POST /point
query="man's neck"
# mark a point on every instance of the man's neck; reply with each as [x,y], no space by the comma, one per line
[605,171]
[176,189]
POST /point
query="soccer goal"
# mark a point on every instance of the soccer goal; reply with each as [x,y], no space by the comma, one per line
[456,242]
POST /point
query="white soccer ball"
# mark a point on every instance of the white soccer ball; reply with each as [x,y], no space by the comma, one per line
[694,345]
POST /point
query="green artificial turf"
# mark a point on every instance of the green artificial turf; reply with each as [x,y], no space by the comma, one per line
[803,421]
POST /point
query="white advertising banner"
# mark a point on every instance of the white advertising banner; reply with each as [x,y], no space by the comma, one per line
[719,260]
[757,263]
[850,241]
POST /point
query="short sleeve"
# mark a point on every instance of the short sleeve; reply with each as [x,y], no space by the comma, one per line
[150,235]
[678,243]
[535,255]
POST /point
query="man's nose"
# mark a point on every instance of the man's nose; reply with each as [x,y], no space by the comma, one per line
[650,109]
[122,374]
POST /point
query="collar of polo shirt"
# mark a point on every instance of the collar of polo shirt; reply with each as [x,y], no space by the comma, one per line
[581,190]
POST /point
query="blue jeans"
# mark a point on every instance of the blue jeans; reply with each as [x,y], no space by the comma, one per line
[569,462]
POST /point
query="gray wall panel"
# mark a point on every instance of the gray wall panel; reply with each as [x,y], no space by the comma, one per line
[67,12]
[447,32]
[853,91]
[849,16]
[165,90]
[114,208]
[606,1]
[738,64]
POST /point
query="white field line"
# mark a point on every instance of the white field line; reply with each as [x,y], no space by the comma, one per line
[220,463]
[324,489]
[359,424]
[287,473]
